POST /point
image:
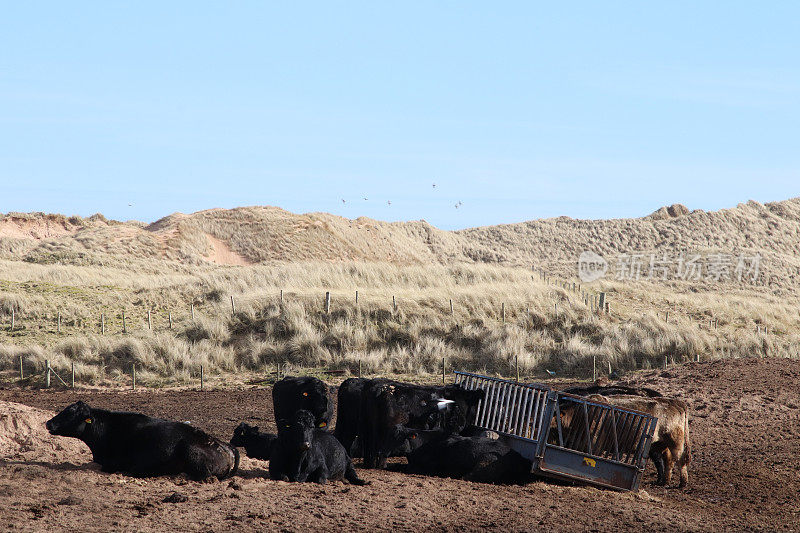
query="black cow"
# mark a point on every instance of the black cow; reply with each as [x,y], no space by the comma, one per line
[385,404]
[291,394]
[305,452]
[611,390]
[144,446]
[473,458]
[348,413]
[256,444]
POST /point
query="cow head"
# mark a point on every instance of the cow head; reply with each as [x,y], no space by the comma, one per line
[297,433]
[72,421]
[464,409]
[243,433]
[315,400]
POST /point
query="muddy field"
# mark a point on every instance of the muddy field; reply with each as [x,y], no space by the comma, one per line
[745,474]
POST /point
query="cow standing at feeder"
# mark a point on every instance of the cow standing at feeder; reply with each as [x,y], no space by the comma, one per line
[670,437]
[385,404]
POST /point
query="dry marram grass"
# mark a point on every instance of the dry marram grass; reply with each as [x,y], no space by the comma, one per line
[82,268]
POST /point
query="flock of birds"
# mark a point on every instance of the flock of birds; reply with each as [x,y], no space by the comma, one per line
[389,202]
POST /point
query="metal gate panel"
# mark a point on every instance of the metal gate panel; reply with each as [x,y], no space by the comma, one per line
[507,406]
[565,436]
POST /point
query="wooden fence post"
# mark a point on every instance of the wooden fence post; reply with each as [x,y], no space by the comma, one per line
[281,296]
[503,312]
[133,373]
[192,312]
[356,297]
[327,302]
[21,373]
[666,316]
[443,369]
[58,328]
[602,303]
[665,362]
[73,374]
[394,303]
[149,320]
[170,319]
[516,365]
[47,374]
[609,368]
[451,307]
[12,319]
[124,324]
[233,306]
[102,323]
[202,377]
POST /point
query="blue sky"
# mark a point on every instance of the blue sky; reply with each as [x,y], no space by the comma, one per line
[516,110]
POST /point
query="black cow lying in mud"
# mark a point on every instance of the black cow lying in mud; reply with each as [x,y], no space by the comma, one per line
[480,458]
[607,390]
[305,452]
[291,394]
[143,446]
[385,404]
[256,444]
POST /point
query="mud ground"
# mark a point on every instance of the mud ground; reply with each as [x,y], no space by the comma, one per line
[745,474]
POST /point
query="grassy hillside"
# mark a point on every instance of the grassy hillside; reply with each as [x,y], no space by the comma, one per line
[80,269]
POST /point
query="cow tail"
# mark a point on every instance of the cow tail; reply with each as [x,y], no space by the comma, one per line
[235,467]
[351,476]
[687,441]
[236,460]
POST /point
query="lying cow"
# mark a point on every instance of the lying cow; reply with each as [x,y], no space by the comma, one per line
[607,390]
[144,446]
[670,437]
[385,404]
[305,452]
[482,459]
[256,444]
[292,394]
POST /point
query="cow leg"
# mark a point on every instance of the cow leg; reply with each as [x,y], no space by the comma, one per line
[320,475]
[681,457]
[351,476]
[669,462]
[658,462]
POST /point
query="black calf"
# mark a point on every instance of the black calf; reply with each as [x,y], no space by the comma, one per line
[256,444]
[305,452]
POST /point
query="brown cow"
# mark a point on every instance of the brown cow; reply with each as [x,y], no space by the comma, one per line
[671,434]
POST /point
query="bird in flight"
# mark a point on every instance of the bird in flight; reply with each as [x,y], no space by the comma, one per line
[434,185]
[365,198]
[459,204]
[344,201]
[389,202]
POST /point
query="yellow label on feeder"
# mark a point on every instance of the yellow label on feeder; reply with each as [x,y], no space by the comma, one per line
[589,462]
